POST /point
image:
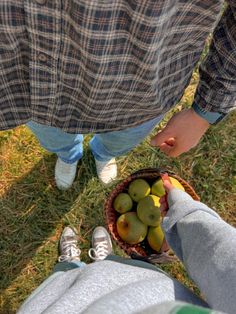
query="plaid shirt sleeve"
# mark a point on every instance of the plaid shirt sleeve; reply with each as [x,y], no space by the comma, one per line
[216,91]
[99,66]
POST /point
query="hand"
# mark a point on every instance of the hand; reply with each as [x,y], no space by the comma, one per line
[163,200]
[164,207]
[182,132]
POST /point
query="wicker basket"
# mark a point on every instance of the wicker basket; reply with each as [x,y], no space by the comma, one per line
[139,251]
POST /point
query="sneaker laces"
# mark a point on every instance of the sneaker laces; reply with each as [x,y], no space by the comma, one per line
[70,251]
[100,252]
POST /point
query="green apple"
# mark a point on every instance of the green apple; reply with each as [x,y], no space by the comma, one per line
[148,210]
[123,203]
[138,189]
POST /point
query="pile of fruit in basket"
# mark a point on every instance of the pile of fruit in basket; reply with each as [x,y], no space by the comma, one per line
[139,209]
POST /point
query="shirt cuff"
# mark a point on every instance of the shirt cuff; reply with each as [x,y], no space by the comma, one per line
[210,116]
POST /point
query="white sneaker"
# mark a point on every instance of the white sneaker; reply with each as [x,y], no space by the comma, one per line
[68,248]
[65,174]
[101,244]
[106,170]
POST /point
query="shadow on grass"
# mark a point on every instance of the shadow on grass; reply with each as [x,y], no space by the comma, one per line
[31,211]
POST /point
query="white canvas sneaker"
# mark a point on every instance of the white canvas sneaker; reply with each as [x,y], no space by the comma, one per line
[101,244]
[68,247]
[65,174]
[106,170]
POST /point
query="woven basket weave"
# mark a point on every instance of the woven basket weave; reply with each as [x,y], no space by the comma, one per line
[138,250]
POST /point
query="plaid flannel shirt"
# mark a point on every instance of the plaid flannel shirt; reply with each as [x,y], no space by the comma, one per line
[102,65]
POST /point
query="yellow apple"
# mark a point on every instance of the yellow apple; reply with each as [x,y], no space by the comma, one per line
[130,228]
[158,188]
[155,238]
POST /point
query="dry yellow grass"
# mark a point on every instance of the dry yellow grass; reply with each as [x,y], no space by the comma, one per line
[34,212]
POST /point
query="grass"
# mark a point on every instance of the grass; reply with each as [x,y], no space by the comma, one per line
[34,212]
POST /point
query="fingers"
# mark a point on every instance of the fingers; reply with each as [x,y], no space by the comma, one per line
[160,138]
[165,247]
[165,148]
[171,147]
[162,200]
[168,186]
[163,210]
[164,206]
[171,150]
[171,141]
[168,145]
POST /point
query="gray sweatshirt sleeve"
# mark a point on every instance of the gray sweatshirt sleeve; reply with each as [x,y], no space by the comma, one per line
[207,246]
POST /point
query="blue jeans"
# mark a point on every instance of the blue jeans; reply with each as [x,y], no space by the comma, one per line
[104,146]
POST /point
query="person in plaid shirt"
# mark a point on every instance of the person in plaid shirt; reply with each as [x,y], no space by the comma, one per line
[113,68]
